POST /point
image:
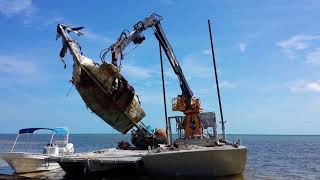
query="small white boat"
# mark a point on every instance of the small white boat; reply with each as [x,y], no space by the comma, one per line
[26,162]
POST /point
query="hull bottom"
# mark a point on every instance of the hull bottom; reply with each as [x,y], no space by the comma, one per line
[213,161]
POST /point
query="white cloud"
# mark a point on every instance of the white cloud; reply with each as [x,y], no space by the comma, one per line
[192,68]
[227,84]
[95,37]
[10,65]
[54,20]
[32,16]
[243,46]
[149,76]
[206,51]
[167,2]
[136,72]
[296,43]
[170,74]
[304,86]
[197,67]
[313,57]
[203,91]
[14,7]
[16,71]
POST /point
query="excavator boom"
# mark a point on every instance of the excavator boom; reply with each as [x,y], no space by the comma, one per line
[186,102]
[136,36]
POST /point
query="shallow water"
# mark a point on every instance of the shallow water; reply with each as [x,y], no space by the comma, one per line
[269,156]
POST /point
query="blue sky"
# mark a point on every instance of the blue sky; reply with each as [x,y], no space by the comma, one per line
[268,55]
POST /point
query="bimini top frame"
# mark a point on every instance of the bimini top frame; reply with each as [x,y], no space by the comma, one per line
[59,130]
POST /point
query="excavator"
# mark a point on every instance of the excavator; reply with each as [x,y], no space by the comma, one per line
[99,85]
[186,102]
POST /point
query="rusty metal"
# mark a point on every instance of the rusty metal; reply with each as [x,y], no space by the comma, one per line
[179,104]
[116,107]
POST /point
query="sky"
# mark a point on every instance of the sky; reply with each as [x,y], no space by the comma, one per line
[267,52]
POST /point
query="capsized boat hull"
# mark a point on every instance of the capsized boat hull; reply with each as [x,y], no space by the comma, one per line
[206,161]
[27,162]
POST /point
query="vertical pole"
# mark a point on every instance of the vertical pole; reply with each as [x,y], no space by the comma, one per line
[217,82]
[168,130]
[51,138]
[67,137]
[14,144]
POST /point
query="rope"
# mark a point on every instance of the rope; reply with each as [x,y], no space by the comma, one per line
[69,90]
[131,50]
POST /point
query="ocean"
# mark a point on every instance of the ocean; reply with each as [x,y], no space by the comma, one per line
[269,156]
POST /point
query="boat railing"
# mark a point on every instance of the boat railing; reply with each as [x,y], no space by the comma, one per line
[53,139]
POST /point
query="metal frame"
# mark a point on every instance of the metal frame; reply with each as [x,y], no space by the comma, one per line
[66,137]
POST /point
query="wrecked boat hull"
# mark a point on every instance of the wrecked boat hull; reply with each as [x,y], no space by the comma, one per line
[101,86]
[107,94]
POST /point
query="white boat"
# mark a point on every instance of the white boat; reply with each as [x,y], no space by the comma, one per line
[26,162]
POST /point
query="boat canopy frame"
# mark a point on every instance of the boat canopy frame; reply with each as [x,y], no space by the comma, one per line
[59,130]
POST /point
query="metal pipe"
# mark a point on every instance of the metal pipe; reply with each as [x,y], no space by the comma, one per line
[169,131]
[51,138]
[14,144]
[217,82]
[67,137]
[168,126]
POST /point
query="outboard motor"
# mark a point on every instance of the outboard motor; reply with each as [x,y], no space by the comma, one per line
[69,149]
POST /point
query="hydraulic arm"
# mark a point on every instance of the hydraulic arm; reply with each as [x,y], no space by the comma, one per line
[186,102]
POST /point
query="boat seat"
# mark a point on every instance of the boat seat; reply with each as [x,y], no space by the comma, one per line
[51,150]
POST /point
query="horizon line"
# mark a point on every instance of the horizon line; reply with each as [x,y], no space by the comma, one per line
[262,134]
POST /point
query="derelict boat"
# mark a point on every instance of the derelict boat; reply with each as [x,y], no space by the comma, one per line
[104,90]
